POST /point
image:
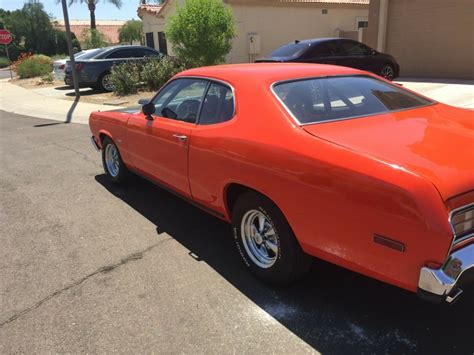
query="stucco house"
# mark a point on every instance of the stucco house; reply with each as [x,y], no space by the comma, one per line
[264,25]
[429,38]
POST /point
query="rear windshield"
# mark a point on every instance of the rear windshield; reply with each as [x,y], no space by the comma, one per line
[92,53]
[335,98]
[290,50]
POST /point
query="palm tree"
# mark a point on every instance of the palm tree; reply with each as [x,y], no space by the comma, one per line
[91,4]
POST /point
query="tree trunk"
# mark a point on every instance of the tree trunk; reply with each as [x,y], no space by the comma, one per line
[91,5]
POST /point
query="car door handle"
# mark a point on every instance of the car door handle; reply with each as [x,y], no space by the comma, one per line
[182,138]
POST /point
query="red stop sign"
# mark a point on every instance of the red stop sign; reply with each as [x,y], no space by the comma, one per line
[5,37]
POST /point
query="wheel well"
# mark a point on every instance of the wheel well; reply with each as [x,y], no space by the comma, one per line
[233,192]
[102,136]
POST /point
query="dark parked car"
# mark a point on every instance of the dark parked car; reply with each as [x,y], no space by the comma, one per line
[338,51]
[94,67]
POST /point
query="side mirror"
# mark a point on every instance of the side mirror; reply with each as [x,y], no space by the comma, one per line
[373,52]
[143,101]
[148,109]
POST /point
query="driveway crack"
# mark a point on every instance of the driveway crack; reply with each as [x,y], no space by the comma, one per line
[102,270]
[84,156]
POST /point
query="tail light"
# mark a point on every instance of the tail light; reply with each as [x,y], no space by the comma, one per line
[79,66]
[62,66]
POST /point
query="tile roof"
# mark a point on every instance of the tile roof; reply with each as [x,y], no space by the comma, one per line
[151,9]
[110,29]
[155,9]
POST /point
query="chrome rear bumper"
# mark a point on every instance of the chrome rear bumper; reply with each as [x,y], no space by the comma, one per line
[443,283]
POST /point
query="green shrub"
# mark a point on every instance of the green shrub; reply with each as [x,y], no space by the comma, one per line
[201,31]
[126,77]
[4,62]
[156,72]
[47,78]
[91,38]
[152,73]
[36,65]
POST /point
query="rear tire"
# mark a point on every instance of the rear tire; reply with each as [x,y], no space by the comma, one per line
[266,242]
[104,83]
[387,72]
[114,167]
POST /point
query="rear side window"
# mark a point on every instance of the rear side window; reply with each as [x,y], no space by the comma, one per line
[92,53]
[354,48]
[324,49]
[218,105]
[334,98]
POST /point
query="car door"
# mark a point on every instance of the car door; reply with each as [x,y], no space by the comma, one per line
[159,146]
[210,146]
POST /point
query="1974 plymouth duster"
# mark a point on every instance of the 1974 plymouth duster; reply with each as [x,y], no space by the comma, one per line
[309,160]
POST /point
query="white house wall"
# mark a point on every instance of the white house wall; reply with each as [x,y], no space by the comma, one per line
[276,25]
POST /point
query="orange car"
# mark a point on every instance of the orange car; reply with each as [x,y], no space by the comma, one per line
[311,160]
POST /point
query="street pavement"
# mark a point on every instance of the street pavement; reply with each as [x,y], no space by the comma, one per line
[89,267]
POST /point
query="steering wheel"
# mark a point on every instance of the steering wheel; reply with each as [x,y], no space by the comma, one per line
[187,110]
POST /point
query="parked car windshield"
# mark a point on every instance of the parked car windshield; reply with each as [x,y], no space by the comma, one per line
[290,50]
[333,98]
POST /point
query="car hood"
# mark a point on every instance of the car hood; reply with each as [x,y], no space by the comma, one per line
[435,142]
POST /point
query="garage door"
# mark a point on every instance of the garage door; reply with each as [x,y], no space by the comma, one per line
[432,38]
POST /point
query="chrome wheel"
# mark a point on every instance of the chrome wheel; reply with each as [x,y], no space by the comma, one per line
[112,160]
[259,239]
[387,72]
[107,83]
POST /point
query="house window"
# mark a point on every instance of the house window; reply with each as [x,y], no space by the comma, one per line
[361,22]
[149,40]
[325,12]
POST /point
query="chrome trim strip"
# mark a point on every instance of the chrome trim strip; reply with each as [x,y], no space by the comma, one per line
[272,89]
[444,280]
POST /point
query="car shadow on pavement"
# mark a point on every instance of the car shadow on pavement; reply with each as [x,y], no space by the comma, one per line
[333,310]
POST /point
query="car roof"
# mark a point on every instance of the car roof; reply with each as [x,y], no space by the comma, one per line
[126,47]
[268,72]
[319,40]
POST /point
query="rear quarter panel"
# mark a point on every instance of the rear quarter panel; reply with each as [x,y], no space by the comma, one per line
[334,199]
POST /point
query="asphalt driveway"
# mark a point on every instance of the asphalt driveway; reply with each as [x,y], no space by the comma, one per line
[88,267]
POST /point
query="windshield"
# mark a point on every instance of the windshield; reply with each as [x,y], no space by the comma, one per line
[334,98]
[290,50]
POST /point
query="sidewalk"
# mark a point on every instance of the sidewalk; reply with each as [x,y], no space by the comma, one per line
[21,101]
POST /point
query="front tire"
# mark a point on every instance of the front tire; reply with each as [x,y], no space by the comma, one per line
[266,242]
[113,164]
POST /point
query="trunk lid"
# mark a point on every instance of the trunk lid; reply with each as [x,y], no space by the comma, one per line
[436,142]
